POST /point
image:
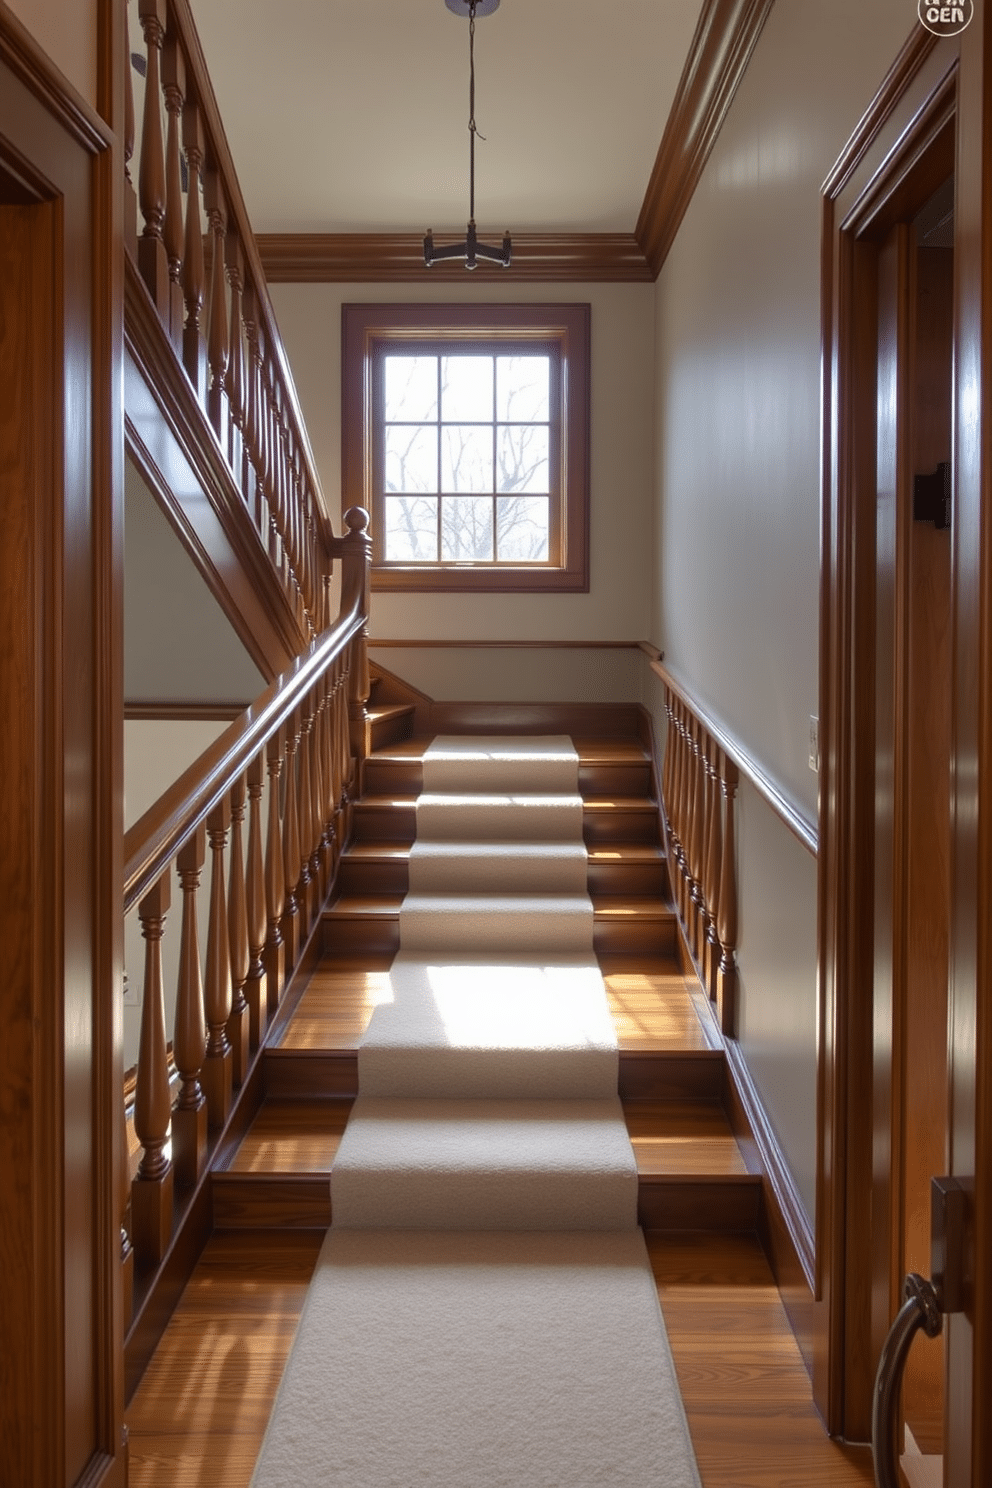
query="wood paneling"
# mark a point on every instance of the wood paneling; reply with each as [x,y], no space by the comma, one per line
[329,258]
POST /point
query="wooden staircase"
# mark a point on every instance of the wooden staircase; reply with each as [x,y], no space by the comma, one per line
[672,1076]
[700,1206]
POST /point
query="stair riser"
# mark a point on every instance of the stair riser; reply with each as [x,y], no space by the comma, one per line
[396,821]
[242,1202]
[699,1076]
[358,935]
[390,730]
[405,777]
[391,876]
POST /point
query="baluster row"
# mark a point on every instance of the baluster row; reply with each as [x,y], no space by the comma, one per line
[699,784]
[221,330]
[264,897]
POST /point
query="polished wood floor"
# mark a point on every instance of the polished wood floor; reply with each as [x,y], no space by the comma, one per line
[199,1414]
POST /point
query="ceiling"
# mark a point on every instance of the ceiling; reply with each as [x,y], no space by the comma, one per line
[350,116]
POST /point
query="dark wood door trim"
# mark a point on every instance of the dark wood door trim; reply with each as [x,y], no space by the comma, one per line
[62,655]
[931,117]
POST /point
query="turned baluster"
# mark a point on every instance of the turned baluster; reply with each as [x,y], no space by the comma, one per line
[151,1191]
[678,821]
[329,798]
[318,783]
[194,353]
[189,1116]
[238,1024]
[236,389]
[726,922]
[130,199]
[218,340]
[174,80]
[217,1067]
[685,815]
[291,845]
[711,873]
[124,1205]
[255,986]
[305,813]
[698,840]
[253,421]
[275,883]
[667,778]
[152,260]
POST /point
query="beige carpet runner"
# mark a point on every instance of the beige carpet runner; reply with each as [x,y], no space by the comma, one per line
[483,1314]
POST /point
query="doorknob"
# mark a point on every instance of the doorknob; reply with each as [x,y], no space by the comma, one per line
[924,1307]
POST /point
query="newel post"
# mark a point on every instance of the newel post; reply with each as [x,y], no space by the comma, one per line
[356,567]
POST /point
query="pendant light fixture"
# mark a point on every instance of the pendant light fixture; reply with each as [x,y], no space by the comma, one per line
[471,249]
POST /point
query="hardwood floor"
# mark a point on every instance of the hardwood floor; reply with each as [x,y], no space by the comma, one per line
[199,1414]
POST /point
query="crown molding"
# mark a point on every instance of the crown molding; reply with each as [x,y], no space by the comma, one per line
[367,258]
[721,48]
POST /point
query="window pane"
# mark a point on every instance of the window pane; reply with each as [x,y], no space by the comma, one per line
[411,529]
[410,389]
[522,388]
[411,458]
[522,529]
[467,388]
[522,458]
[467,529]
[466,458]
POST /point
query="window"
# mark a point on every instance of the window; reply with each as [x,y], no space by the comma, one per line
[465,433]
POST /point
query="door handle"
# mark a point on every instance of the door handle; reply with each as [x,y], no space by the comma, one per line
[925,1305]
[921,1309]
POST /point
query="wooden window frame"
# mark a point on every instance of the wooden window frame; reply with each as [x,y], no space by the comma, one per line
[369,330]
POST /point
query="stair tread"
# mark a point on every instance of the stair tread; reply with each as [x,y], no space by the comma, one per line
[671,1139]
[379,711]
[650,1000]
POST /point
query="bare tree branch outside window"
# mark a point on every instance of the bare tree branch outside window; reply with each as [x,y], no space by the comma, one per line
[466,458]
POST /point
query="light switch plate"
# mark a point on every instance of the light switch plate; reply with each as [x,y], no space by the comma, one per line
[814,744]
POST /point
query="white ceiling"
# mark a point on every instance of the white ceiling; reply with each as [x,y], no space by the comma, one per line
[351,115]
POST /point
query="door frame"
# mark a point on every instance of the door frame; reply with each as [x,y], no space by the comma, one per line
[929,118]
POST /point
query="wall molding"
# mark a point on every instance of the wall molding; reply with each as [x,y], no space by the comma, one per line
[721,48]
[461,645]
[170,711]
[799,824]
[914,53]
[356,258]
[32,67]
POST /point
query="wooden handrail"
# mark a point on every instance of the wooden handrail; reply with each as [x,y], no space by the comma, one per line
[153,840]
[800,825]
[218,314]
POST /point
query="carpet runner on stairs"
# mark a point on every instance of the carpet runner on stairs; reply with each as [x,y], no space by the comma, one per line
[483,1312]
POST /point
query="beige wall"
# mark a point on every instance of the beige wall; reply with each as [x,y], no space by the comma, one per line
[178,643]
[67,31]
[616,608]
[735,605]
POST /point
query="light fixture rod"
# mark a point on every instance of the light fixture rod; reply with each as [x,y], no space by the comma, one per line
[471,249]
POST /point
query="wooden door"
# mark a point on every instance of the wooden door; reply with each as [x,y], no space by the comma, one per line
[912,747]
[905,865]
